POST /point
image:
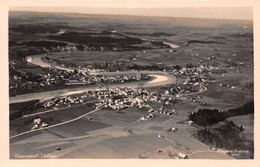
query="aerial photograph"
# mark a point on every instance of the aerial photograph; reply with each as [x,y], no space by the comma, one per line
[169,83]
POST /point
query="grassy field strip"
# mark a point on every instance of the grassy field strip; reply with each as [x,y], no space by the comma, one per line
[43,112]
[71,138]
[63,139]
[33,148]
[76,148]
[56,124]
[51,145]
[168,140]
[213,155]
[185,131]
[199,152]
[68,139]
[67,151]
[138,141]
[119,156]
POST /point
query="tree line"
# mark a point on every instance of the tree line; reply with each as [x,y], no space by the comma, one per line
[207,117]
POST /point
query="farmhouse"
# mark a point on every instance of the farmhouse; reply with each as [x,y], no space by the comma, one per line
[183,156]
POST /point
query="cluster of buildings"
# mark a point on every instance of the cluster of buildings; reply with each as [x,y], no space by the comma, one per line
[63,77]
[68,48]
[38,123]
[28,82]
[194,71]
[14,87]
[146,117]
[112,98]
[122,98]
[86,80]
[229,86]
[166,111]
[195,78]
[54,103]
[118,99]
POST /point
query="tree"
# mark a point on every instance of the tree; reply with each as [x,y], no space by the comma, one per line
[189,65]
[177,67]
[75,71]
[241,128]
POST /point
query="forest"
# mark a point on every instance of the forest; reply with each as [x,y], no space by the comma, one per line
[223,134]
[207,117]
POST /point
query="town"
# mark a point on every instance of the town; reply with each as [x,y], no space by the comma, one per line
[134,87]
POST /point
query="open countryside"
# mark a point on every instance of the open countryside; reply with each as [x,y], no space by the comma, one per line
[130,87]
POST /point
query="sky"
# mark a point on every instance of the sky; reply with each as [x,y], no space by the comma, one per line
[243,13]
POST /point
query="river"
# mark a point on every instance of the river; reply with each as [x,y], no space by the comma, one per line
[171,45]
[159,78]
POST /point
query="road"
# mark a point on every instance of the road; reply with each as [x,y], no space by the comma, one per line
[51,126]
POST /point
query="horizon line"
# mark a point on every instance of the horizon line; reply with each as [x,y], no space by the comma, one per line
[134,15]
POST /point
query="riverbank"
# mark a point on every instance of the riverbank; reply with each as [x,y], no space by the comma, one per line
[159,78]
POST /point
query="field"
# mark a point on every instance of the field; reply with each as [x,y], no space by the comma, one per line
[107,135]
[24,124]
[248,122]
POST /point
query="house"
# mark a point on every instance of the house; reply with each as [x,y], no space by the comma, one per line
[190,122]
[173,129]
[173,111]
[183,156]
[233,87]
[44,124]
[75,82]
[37,121]
[150,115]
[160,136]
[35,126]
